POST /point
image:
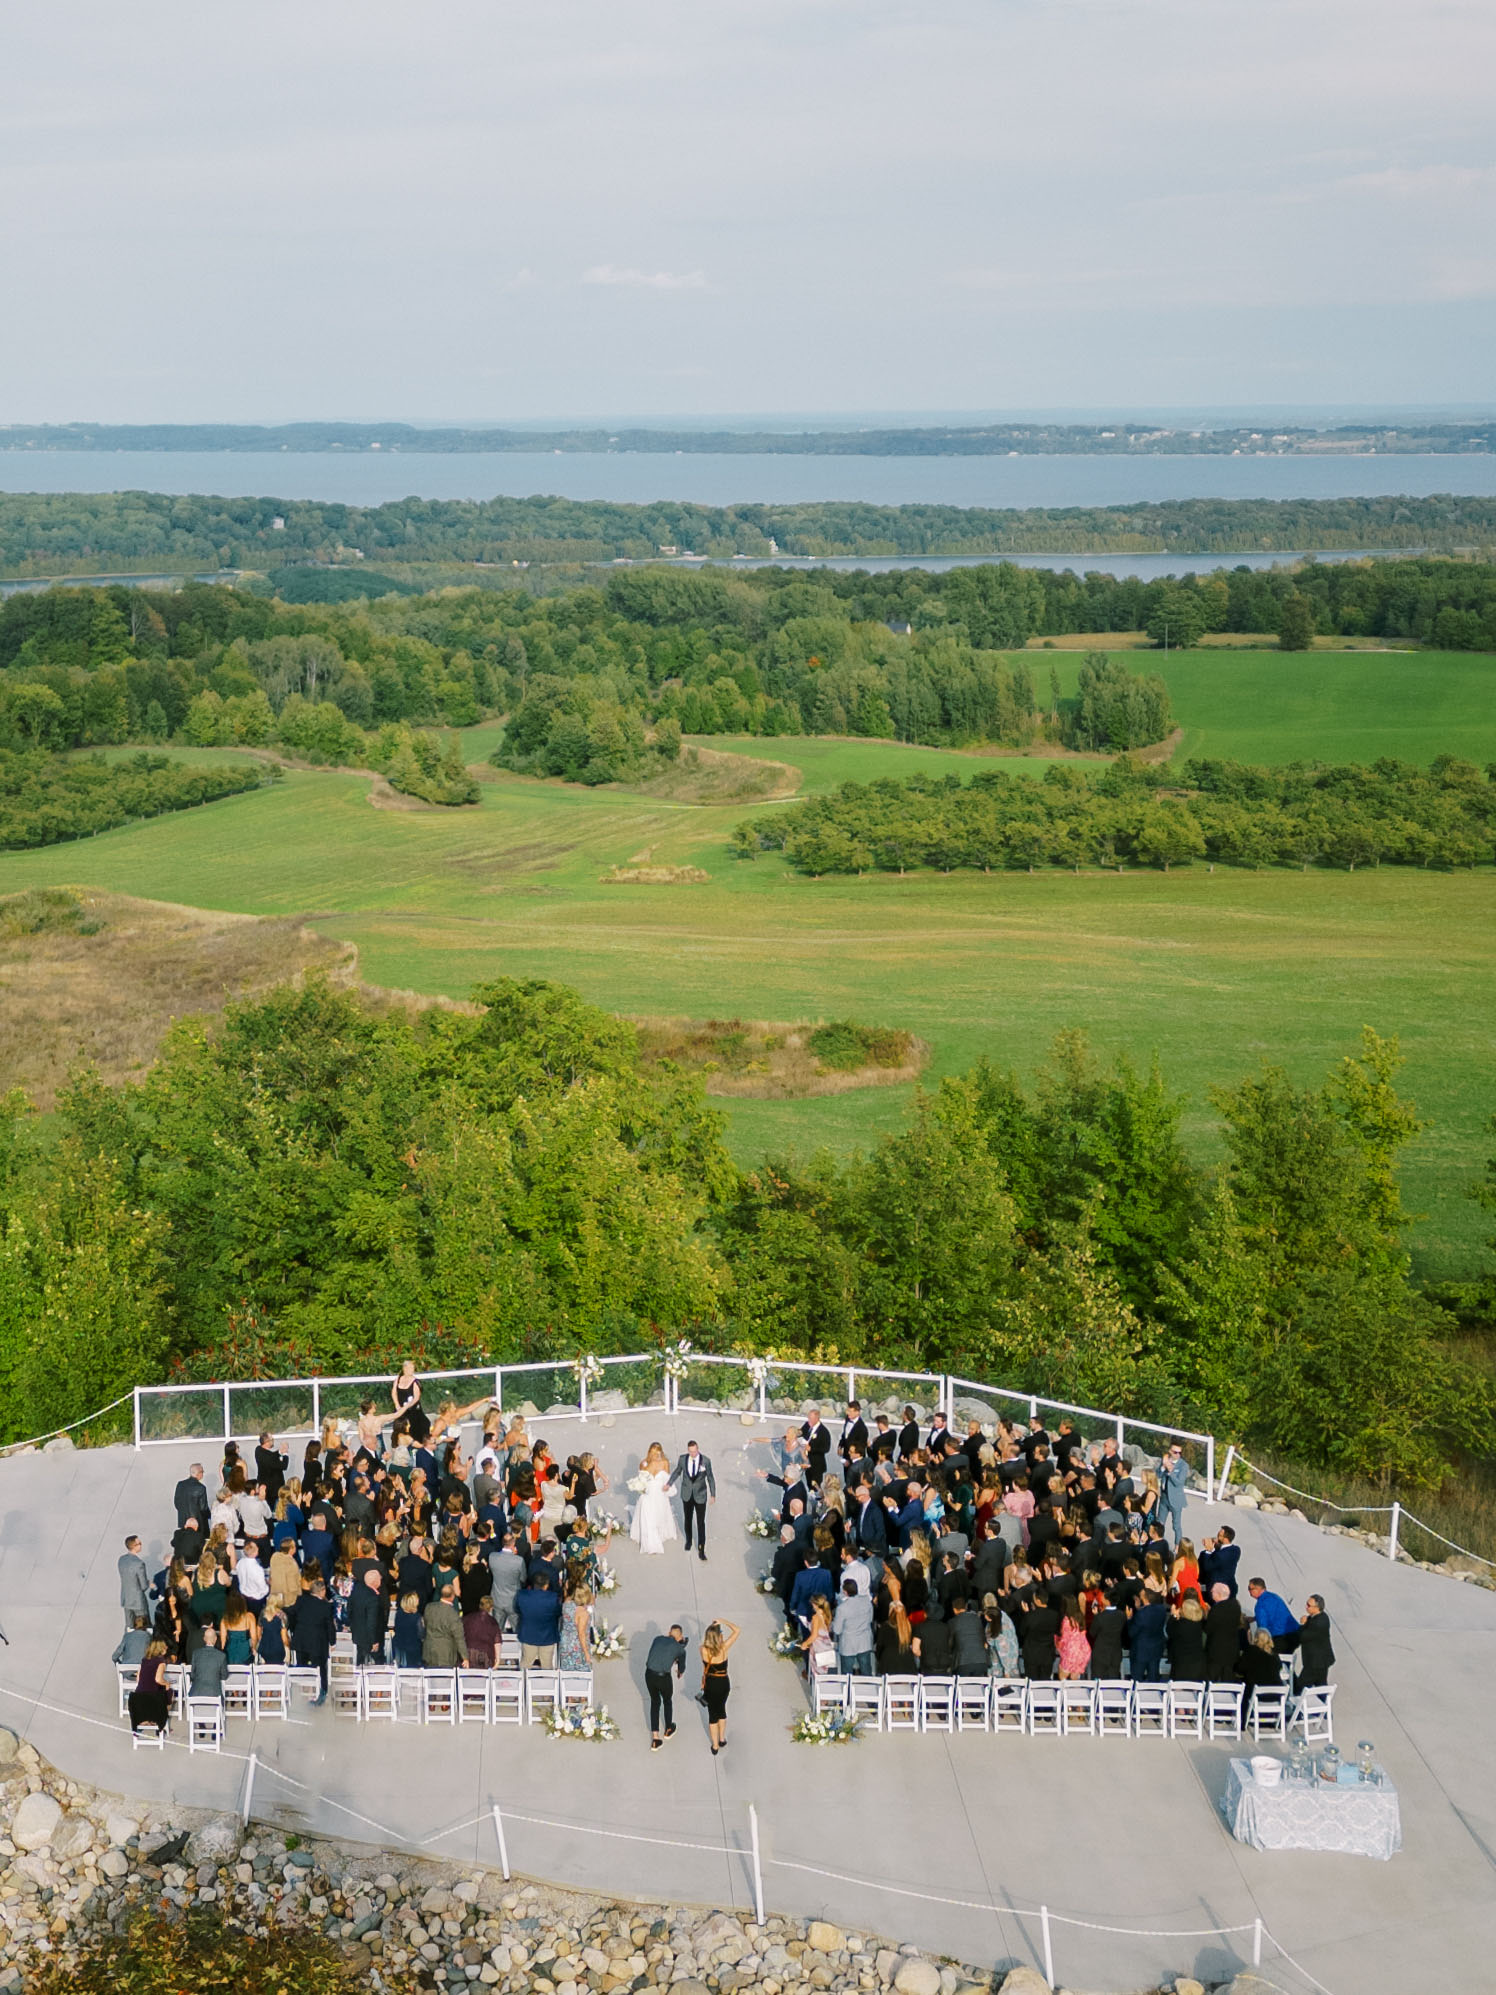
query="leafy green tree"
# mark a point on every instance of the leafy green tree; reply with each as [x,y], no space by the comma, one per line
[1296,623]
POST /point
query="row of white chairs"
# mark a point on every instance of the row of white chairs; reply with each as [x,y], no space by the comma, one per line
[422,1696]
[1116,1708]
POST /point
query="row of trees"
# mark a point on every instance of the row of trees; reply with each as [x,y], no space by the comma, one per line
[57,533]
[305,1182]
[1306,814]
[45,799]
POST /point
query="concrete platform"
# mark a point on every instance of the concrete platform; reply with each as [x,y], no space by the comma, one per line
[931,1839]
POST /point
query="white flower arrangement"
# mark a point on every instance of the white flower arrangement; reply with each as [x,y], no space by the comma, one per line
[760,1525]
[607,1579]
[765,1582]
[785,1643]
[758,1370]
[608,1643]
[605,1521]
[588,1369]
[677,1356]
[639,1483]
[580,1721]
[828,1730]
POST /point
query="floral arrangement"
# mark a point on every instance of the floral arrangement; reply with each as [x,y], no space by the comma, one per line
[765,1582]
[580,1721]
[785,1643]
[760,1525]
[607,1579]
[607,1643]
[677,1357]
[639,1483]
[831,1729]
[758,1370]
[605,1522]
[588,1369]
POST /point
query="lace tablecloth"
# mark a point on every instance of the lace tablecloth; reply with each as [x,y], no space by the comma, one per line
[1360,1819]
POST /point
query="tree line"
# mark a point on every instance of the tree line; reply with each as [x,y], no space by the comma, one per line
[310,1184]
[45,799]
[55,533]
[1130,439]
[1307,814]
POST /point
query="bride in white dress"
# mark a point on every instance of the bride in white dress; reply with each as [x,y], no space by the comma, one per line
[653,1524]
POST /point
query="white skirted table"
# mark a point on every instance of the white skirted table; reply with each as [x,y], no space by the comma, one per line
[1359,1818]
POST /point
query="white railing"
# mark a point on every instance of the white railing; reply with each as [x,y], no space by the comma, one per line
[660,1383]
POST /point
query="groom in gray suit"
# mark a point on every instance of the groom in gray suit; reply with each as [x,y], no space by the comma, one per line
[698,1487]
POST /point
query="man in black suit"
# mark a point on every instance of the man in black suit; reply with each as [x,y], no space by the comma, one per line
[853,1434]
[869,1525]
[270,1468]
[1315,1652]
[938,1435]
[1223,1626]
[313,1630]
[1036,1635]
[698,1487]
[884,1440]
[989,1562]
[191,1499]
[1108,1627]
[818,1436]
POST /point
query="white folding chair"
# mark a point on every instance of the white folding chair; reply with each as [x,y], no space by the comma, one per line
[828,1692]
[506,1697]
[542,1693]
[865,1700]
[973,1704]
[509,1656]
[176,1677]
[1078,1709]
[1186,1710]
[345,1688]
[438,1697]
[1010,1704]
[1223,1710]
[937,1704]
[1045,1710]
[127,1674]
[1310,1715]
[1150,1709]
[238,1690]
[1114,1707]
[304,1677]
[271,1691]
[148,1733]
[473,1694]
[1269,1714]
[574,1688]
[382,1691]
[204,1725]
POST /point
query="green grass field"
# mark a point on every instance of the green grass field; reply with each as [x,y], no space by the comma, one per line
[1213,971]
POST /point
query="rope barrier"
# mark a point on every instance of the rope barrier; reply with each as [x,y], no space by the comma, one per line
[37,1439]
[1463,1550]
[1370,1510]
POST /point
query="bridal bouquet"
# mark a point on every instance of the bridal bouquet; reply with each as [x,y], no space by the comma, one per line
[607,1643]
[676,1358]
[828,1730]
[607,1579]
[588,1369]
[605,1521]
[639,1483]
[786,1643]
[760,1525]
[580,1721]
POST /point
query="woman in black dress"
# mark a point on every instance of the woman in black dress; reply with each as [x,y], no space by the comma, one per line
[405,1397]
[715,1687]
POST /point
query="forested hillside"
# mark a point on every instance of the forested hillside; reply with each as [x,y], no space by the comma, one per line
[306,1184]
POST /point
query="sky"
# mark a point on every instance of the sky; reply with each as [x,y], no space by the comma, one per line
[476,210]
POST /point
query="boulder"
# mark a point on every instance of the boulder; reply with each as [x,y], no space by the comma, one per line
[1025,1981]
[35,1822]
[215,1841]
[917,1977]
[73,1835]
[114,1863]
[976,1409]
[607,1402]
[824,1938]
[118,1829]
[10,1745]
[1185,1984]
[60,1444]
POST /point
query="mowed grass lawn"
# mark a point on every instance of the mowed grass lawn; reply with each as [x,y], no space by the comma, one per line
[1213,971]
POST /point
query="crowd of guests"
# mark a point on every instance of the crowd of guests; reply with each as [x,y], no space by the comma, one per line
[387,1531]
[1023,1553]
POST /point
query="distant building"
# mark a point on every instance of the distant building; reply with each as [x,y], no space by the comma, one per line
[900,626]
[277,525]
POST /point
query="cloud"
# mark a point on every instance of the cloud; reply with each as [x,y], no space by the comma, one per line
[646,280]
[1439,180]
[522,280]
